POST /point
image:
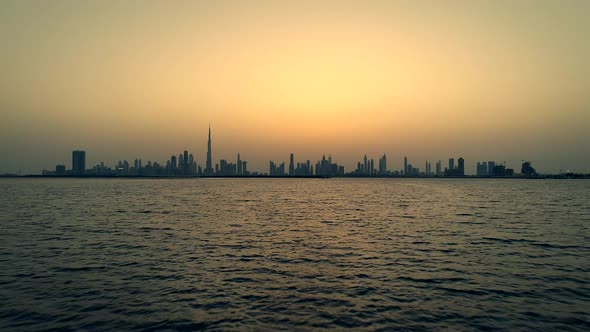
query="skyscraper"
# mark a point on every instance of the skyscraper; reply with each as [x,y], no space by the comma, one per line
[383,165]
[451,164]
[240,172]
[491,165]
[185,162]
[405,166]
[208,166]
[482,168]
[461,167]
[291,166]
[173,163]
[78,162]
[272,168]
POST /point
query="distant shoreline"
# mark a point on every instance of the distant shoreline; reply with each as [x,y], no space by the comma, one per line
[540,177]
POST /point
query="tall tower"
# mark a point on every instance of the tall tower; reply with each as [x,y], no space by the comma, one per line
[239,165]
[208,166]
[291,166]
[405,166]
[185,163]
[78,162]
[384,164]
[461,167]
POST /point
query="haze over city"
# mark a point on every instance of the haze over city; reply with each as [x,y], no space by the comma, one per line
[503,80]
[366,165]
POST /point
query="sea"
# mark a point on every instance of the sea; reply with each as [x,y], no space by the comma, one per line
[294,254]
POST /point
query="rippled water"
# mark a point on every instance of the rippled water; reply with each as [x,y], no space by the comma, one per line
[295,254]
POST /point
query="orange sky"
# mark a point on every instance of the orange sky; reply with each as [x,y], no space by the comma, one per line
[485,80]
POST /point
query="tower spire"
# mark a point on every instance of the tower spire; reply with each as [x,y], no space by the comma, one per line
[209,165]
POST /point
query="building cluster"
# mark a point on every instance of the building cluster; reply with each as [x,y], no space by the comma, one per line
[327,168]
[184,164]
[323,168]
[366,167]
[451,170]
[492,168]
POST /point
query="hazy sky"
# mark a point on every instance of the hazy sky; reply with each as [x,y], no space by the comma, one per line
[486,80]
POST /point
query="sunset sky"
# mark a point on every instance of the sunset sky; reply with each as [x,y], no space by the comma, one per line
[485,80]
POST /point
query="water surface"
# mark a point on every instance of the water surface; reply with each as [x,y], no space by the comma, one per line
[294,254]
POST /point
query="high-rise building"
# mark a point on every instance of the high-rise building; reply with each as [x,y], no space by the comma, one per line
[451,164]
[439,168]
[185,162]
[383,165]
[281,169]
[499,170]
[491,165]
[240,167]
[173,163]
[406,166]
[78,162]
[209,163]
[223,167]
[461,167]
[482,169]
[192,165]
[291,166]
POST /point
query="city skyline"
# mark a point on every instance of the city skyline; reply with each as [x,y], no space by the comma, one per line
[426,79]
[186,164]
[295,165]
[210,166]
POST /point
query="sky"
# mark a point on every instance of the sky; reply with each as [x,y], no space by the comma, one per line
[483,80]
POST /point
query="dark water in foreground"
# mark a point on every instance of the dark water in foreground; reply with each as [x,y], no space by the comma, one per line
[107,254]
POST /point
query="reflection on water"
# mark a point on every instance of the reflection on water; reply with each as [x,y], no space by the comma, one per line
[449,254]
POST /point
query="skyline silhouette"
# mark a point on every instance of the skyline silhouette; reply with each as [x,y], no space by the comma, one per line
[185,164]
[295,165]
[482,80]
